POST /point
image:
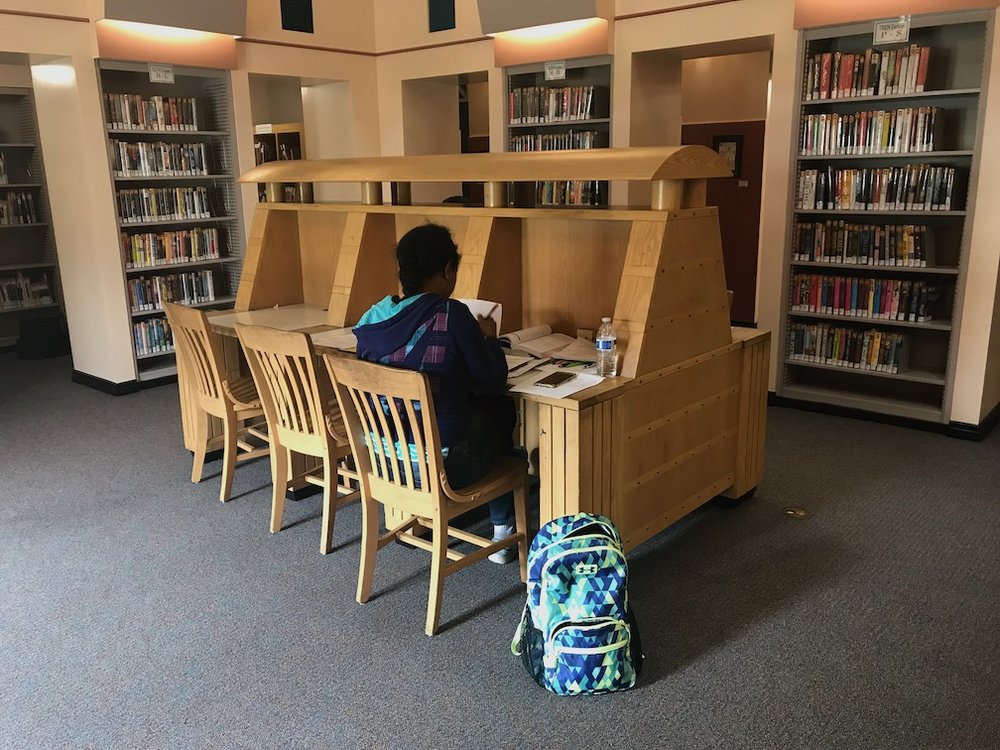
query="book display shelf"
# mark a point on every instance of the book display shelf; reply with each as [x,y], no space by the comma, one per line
[28,281]
[889,137]
[556,115]
[283,141]
[171,155]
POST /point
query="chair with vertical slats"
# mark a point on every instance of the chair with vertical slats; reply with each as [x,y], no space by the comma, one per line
[390,420]
[233,400]
[302,417]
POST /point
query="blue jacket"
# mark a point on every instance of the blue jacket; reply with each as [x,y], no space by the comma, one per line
[440,337]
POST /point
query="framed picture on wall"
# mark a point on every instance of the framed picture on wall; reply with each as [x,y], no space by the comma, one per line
[730,148]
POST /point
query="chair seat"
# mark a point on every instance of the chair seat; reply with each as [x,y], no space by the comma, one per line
[507,474]
[243,392]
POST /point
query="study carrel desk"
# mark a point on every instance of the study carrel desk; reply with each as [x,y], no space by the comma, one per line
[684,423]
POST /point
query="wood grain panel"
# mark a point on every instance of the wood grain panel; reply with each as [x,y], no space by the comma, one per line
[546,508]
[694,285]
[272,270]
[667,342]
[366,272]
[473,247]
[501,280]
[755,361]
[320,239]
[571,271]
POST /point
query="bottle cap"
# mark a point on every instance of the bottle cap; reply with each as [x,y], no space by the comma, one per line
[605,320]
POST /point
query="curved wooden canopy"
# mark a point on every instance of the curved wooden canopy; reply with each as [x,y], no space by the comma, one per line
[647,163]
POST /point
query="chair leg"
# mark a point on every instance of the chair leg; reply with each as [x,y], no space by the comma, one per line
[228,456]
[439,559]
[279,483]
[521,525]
[369,548]
[329,503]
[200,444]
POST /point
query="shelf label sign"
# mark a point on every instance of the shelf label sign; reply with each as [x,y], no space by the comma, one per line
[161,73]
[263,129]
[892,30]
[555,70]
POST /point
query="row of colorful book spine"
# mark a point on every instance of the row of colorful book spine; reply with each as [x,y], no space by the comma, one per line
[18,208]
[574,139]
[822,343]
[568,193]
[531,104]
[153,337]
[836,241]
[900,131]
[138,205]
[148,293]
[914,187]
[21,290]
[877,298]
[153,249]
[136,112]
[159,159]
[839,75]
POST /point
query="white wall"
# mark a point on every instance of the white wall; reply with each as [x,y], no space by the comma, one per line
[725,88]
[329,123]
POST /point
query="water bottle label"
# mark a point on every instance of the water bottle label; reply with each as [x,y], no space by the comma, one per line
[606,345]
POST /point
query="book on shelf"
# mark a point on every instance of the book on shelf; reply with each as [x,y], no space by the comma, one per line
[545,104]
[152,337]
[900,131]
[540,341]
[23,290]
[151,249]
[148,293]
[874,72]
[569,193]
[136,112]
[18,208]
[569,141]
[139,205]
[159,159]
[837,241]
[914,187]
[856,297]
[4,177]
[853,348]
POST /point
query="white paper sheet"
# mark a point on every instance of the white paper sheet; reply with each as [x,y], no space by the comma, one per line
[484,308]
[581,381]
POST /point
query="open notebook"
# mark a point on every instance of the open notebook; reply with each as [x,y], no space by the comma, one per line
[540,341]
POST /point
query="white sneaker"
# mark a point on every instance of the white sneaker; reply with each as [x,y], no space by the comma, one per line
[507,554]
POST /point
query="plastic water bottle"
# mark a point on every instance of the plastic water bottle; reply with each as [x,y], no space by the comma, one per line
[607,350]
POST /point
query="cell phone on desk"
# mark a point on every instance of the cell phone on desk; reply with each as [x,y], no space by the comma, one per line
[554,379]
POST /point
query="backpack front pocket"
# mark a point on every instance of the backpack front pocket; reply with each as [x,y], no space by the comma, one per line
[589,657]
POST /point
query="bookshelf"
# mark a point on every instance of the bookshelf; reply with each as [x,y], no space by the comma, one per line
[172,160]
[28,267]
[284,141]
[883,192]
[569,114]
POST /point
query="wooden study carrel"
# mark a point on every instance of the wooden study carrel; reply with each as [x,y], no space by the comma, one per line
[685,420]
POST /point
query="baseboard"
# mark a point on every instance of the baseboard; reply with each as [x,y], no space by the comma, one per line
[975,432]
[835,410]
[119,389]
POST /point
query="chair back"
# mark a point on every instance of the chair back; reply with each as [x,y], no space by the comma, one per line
[390,421]
[199,350]
[283,367]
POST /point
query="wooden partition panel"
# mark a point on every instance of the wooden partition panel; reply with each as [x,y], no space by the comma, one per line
[366,266]
[502,272]
[570,270]
[272,270]
[321,235]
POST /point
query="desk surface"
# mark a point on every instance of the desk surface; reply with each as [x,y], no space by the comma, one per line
[312,319]
[285,318]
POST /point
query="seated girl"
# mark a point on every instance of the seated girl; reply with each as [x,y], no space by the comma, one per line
[427,331]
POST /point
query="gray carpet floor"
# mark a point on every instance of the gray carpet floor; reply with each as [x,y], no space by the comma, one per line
[136,611]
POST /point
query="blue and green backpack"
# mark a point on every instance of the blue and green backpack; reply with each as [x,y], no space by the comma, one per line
[577,633]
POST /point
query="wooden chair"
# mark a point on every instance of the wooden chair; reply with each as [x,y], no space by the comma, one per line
[234,400]
[302,417]
[388,412]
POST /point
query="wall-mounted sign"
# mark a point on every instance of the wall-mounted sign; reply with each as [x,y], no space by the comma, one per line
[161,73]
[892,30]
[263,129]
[555,71]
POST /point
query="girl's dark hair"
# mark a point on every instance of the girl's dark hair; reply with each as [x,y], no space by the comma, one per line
[422,254]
